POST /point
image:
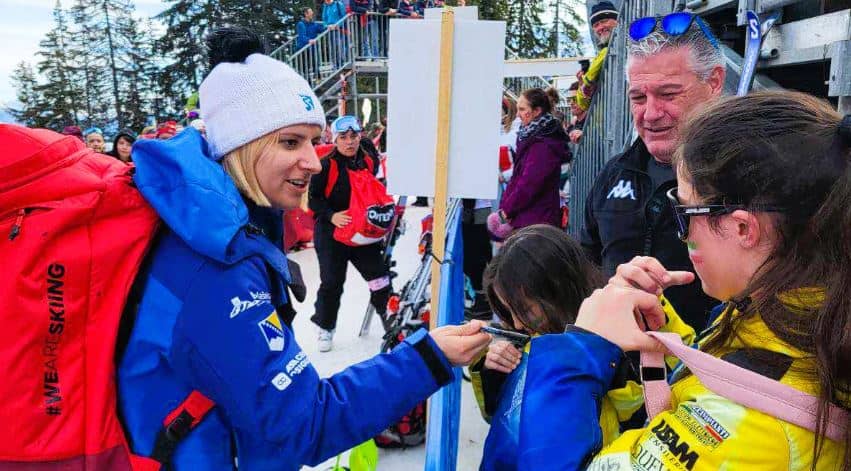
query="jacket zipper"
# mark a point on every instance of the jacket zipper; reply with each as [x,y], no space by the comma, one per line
[16,227]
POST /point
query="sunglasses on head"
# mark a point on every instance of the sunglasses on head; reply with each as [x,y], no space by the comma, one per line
[673,24]
[346,124]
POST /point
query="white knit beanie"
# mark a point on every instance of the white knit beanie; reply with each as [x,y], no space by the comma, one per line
[242,101]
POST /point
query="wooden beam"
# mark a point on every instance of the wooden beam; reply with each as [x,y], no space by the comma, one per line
[441,174]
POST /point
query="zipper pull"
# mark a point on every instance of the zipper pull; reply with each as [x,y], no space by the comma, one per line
[16,228]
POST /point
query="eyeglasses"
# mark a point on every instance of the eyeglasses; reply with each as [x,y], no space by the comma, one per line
[683,213]
[674,24]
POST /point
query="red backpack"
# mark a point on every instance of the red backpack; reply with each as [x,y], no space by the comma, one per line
[370,207]
[73,234]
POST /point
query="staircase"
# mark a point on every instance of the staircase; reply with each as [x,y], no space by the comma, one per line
[357,47]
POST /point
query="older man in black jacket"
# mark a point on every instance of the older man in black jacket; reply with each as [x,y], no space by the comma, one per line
[627,213]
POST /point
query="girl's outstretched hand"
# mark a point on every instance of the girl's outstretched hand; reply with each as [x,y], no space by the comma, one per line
[646,273]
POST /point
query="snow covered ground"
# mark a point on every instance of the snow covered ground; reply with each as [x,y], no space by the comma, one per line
[349,348]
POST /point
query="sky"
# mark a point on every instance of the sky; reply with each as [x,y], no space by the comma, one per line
[23,23]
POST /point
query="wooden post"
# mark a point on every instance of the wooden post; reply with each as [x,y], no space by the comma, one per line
[441,174]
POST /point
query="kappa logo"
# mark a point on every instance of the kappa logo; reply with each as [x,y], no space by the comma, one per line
[272,331]
[281,381]
[622,190]
[308,102]
[257,299]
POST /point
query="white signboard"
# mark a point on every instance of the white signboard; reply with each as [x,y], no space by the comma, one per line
[477,78]
[461,13]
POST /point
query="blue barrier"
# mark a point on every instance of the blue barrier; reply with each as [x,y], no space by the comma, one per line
[444,413]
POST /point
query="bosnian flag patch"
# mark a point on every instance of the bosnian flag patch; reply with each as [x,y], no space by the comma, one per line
[272,331]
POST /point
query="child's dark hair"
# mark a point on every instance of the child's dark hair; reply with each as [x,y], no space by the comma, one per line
[540,265]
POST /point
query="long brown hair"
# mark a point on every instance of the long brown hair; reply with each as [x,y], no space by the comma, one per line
[543,265]
[791,151]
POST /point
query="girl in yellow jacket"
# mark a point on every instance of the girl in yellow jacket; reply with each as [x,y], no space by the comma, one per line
[763,198]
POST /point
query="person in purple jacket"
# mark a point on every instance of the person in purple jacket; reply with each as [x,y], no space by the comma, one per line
[532,195]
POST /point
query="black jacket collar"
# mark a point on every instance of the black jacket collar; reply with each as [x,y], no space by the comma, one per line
[636,157]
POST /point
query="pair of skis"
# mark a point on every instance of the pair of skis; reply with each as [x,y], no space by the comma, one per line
[757,29]
[396,230]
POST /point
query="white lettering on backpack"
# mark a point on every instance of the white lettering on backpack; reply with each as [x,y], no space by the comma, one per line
[622,190]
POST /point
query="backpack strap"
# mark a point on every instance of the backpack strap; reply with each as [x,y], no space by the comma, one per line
[178,424]
[737,384]
[333,174]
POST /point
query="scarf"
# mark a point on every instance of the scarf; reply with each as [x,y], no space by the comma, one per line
[542,125]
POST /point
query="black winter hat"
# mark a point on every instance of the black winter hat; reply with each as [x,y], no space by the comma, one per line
[602,11]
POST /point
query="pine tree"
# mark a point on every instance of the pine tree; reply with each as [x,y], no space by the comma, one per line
[88,66]
[181,46]
[527,34]
[138,84]
[525,31]
[31,108]
[188,22]
[109,22]
[565,38]
[60,91]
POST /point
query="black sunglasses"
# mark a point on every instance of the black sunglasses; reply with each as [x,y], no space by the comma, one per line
[682,212]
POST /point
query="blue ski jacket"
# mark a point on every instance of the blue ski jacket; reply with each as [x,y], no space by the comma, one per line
[307,30]
[206,322]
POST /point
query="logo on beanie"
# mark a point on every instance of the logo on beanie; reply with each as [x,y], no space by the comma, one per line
[308,102]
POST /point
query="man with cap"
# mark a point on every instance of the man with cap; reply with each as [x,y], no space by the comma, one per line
[604,20]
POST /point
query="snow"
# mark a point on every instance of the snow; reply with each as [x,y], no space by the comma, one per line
[350,349]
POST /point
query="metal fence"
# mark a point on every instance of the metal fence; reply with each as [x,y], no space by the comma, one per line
[608,126]
[354,37]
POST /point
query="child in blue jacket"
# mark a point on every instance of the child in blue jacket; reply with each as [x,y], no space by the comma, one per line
[535,284]
[208,330]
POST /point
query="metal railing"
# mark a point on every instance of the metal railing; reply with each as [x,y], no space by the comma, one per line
[608,125]
[353,38]
[514,86]
[608,128]
[285,50]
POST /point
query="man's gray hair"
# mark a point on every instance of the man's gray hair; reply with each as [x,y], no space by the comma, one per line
[704,56]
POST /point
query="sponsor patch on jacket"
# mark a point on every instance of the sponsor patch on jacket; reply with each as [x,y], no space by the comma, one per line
[701,425]
[257,298]
[666,442]
[281,381]
[273,332]
[297,364]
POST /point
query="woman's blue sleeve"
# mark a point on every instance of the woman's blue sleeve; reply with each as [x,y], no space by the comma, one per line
[230,344]
[566,378]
